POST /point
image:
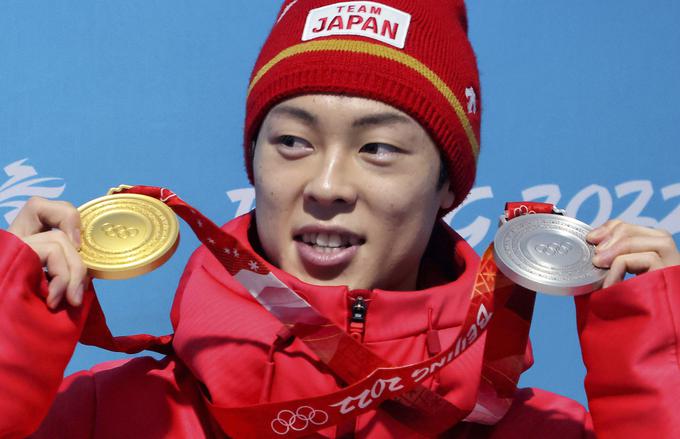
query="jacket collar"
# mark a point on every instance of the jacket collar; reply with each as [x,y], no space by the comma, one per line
[447,275]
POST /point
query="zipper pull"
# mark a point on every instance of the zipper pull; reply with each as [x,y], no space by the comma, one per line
[357,323]
[359,310]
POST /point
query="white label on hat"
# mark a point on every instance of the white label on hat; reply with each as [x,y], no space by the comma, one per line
[472,100]
[366,19]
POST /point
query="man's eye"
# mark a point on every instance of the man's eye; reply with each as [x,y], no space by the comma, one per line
[292,142]
[379,148]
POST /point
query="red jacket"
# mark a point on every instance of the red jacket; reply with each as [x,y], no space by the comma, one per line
[224,341]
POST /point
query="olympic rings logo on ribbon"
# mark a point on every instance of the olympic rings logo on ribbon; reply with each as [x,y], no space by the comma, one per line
[298,420]
[522,210]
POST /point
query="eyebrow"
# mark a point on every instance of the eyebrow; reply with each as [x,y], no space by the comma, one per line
[381,119]
[297,113]
[306,117]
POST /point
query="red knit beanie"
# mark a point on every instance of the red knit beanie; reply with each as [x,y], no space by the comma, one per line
[411,54]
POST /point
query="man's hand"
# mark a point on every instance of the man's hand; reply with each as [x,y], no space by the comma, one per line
[52,230]
[627,248]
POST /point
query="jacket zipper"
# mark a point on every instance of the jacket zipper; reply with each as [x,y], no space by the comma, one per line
[357,324]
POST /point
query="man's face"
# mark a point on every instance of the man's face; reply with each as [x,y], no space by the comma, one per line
[346,191]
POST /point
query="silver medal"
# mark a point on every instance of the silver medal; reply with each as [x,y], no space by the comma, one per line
[548,253]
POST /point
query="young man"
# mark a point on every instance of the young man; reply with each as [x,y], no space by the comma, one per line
[361,133]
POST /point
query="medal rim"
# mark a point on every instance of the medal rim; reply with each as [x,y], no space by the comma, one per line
[152,260]
[534,282]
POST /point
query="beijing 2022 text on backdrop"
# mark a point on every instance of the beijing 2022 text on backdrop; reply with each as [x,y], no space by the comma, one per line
[580,109]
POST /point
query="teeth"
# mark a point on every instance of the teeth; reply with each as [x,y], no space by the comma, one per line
[329,240]
[322,239]
[334,241]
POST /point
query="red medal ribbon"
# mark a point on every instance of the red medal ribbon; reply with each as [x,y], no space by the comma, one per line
[519,208]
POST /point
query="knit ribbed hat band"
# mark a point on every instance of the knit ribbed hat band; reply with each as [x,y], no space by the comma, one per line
[355,49]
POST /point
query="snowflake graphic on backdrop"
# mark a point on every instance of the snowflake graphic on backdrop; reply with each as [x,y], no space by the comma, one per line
[23,184]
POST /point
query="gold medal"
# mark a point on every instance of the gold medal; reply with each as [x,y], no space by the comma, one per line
[126,235]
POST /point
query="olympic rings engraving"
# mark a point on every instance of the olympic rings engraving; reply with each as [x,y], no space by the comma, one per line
[119,231]
[556,248]
[298,420]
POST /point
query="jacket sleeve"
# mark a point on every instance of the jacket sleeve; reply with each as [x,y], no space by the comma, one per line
[629,340]
[36,343]
[83,402]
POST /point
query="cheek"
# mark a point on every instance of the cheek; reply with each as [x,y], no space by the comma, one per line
[405,198]
[272,185]
[272,200]
[405,210]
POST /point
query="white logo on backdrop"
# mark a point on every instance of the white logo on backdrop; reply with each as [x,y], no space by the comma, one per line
[23,183]
[631,196]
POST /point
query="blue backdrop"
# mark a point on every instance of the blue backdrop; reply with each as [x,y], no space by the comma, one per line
[580,103]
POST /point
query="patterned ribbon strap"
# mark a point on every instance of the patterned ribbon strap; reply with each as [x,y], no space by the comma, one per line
[409,402]
[514,209]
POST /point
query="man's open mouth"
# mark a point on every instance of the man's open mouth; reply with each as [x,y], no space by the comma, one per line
[329,242]
[323,247]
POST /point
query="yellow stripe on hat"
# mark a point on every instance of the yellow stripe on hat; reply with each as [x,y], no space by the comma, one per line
[383,52]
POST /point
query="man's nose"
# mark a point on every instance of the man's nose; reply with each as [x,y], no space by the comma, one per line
[331,182]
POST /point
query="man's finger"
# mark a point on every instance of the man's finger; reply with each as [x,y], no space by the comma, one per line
[77,269]
[64,265]
[56,290]
[58,270]
[598,234]
[611,230]
[633,244]
[39,214]
[635,263]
